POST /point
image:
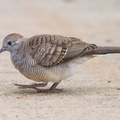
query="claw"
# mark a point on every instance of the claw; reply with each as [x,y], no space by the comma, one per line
[34,86]
[48,90]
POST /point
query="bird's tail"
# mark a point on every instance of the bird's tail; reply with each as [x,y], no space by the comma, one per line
[93,49]
[107,50]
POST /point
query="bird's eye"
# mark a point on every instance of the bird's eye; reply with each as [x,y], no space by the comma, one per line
[9,42]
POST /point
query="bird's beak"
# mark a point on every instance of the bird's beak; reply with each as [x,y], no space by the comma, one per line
[2,49]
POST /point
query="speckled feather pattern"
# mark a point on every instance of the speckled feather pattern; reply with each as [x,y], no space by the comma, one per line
[45,58]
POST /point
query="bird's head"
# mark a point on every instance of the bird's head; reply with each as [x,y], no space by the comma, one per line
[10,41]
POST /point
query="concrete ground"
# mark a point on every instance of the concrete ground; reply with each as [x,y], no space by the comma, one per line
[94,93]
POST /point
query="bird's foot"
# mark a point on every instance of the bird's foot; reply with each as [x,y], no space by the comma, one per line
[34,86]
[49,90]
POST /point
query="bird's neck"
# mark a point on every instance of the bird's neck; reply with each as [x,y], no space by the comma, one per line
[17,56]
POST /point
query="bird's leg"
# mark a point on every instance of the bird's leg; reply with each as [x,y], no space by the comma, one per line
[52,88]
[34,86]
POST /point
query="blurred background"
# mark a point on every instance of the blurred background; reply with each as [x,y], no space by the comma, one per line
[90,95]
[95,21]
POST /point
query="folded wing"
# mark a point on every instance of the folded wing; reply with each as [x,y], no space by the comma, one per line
[50,50]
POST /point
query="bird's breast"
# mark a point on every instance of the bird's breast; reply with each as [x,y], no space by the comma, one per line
[43,74]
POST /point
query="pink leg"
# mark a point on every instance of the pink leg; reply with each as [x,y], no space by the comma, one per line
[51,89]
[34,86]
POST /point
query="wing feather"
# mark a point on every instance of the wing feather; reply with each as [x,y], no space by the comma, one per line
[50,50]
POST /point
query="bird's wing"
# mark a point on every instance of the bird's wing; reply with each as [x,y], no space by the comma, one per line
[50,50]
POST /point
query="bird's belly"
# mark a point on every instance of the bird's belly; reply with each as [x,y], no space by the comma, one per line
[40,74]
[49,74]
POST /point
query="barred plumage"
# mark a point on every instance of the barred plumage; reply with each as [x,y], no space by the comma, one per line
[46,58]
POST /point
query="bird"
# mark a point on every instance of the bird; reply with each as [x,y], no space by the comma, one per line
[48,58]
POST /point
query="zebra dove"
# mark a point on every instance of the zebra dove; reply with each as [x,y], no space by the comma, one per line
[49,58]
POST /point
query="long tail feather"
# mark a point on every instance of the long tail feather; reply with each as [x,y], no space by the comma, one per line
[107,50]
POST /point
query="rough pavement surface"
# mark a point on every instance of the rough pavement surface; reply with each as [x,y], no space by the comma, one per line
[93,93]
